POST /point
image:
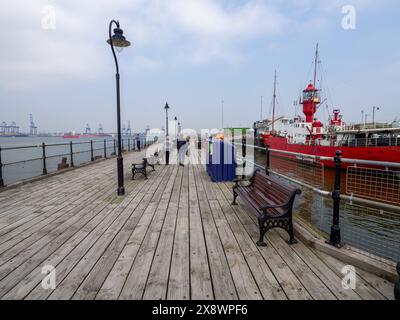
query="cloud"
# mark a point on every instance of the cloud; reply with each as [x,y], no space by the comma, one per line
[162,32]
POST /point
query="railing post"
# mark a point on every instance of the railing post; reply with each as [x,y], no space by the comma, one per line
[115,148]
[71,154]
[105,149]
[91,151]
[268,164]
[122,141]
[335,237]
[129,145]
[244,154]
[397,285]
[1,172]
[44,158]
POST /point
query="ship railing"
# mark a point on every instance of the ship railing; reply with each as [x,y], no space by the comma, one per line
[372,142]
[358,203]
[19,163]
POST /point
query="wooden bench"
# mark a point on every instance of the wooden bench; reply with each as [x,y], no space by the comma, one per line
[269,199]
[140,168]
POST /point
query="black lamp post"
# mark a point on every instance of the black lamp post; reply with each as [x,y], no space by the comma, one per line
[176,128]
[167,134]
[373,114]
[118,41]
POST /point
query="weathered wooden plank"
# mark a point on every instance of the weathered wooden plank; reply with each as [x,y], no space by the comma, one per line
[266,281]
[289,282]
[246,286]
[363,288]
[157,282]
[136,280]
[116,278]
[223,284]
[73,257]
[200,278]
[35,191]
[179,279]
[24,278]
[73,280]
[320,269]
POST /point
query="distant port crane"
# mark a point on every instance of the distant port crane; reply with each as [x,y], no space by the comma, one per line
[33,129]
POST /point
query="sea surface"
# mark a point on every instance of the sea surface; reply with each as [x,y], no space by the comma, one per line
[22,157]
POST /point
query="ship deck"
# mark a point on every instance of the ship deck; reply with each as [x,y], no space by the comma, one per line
[173,236]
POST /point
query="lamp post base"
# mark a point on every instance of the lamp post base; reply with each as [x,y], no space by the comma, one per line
[121,191]
[335,237]
[167,157]
[120,170]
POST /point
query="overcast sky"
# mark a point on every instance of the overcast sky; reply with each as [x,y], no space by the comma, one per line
[193,53]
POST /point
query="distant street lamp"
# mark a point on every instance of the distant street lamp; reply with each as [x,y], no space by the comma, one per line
[222,115]
[176,128]
[167,134]
[373,114]
[176,138]
[118,41]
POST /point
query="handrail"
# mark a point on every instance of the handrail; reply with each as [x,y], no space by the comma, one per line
[380,205]
[324,158]
[107,146]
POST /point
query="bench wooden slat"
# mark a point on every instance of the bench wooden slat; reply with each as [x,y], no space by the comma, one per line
[271,200]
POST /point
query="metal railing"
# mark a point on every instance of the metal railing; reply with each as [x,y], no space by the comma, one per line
[340,206]
[44,158]
[371,142]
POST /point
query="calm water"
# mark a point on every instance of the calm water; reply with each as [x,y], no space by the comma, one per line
[13,172]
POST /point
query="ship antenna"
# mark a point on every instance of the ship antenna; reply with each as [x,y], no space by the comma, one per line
[274,105]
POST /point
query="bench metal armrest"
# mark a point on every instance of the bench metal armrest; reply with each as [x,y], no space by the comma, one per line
[238,182]
[266,207]
[283,205]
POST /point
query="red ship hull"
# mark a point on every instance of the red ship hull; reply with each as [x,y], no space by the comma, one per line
[384,154]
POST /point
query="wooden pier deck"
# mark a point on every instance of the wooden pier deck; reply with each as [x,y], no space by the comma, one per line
[174,236]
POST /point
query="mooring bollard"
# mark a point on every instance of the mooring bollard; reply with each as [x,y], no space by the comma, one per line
[335,237]
[71,154]
[1,172]
[44,158]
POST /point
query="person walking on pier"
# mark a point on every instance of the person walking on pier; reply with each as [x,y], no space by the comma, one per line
[183,150]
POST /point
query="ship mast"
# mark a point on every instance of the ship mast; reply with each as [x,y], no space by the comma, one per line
[315,66]
[315,88]
[274,105]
